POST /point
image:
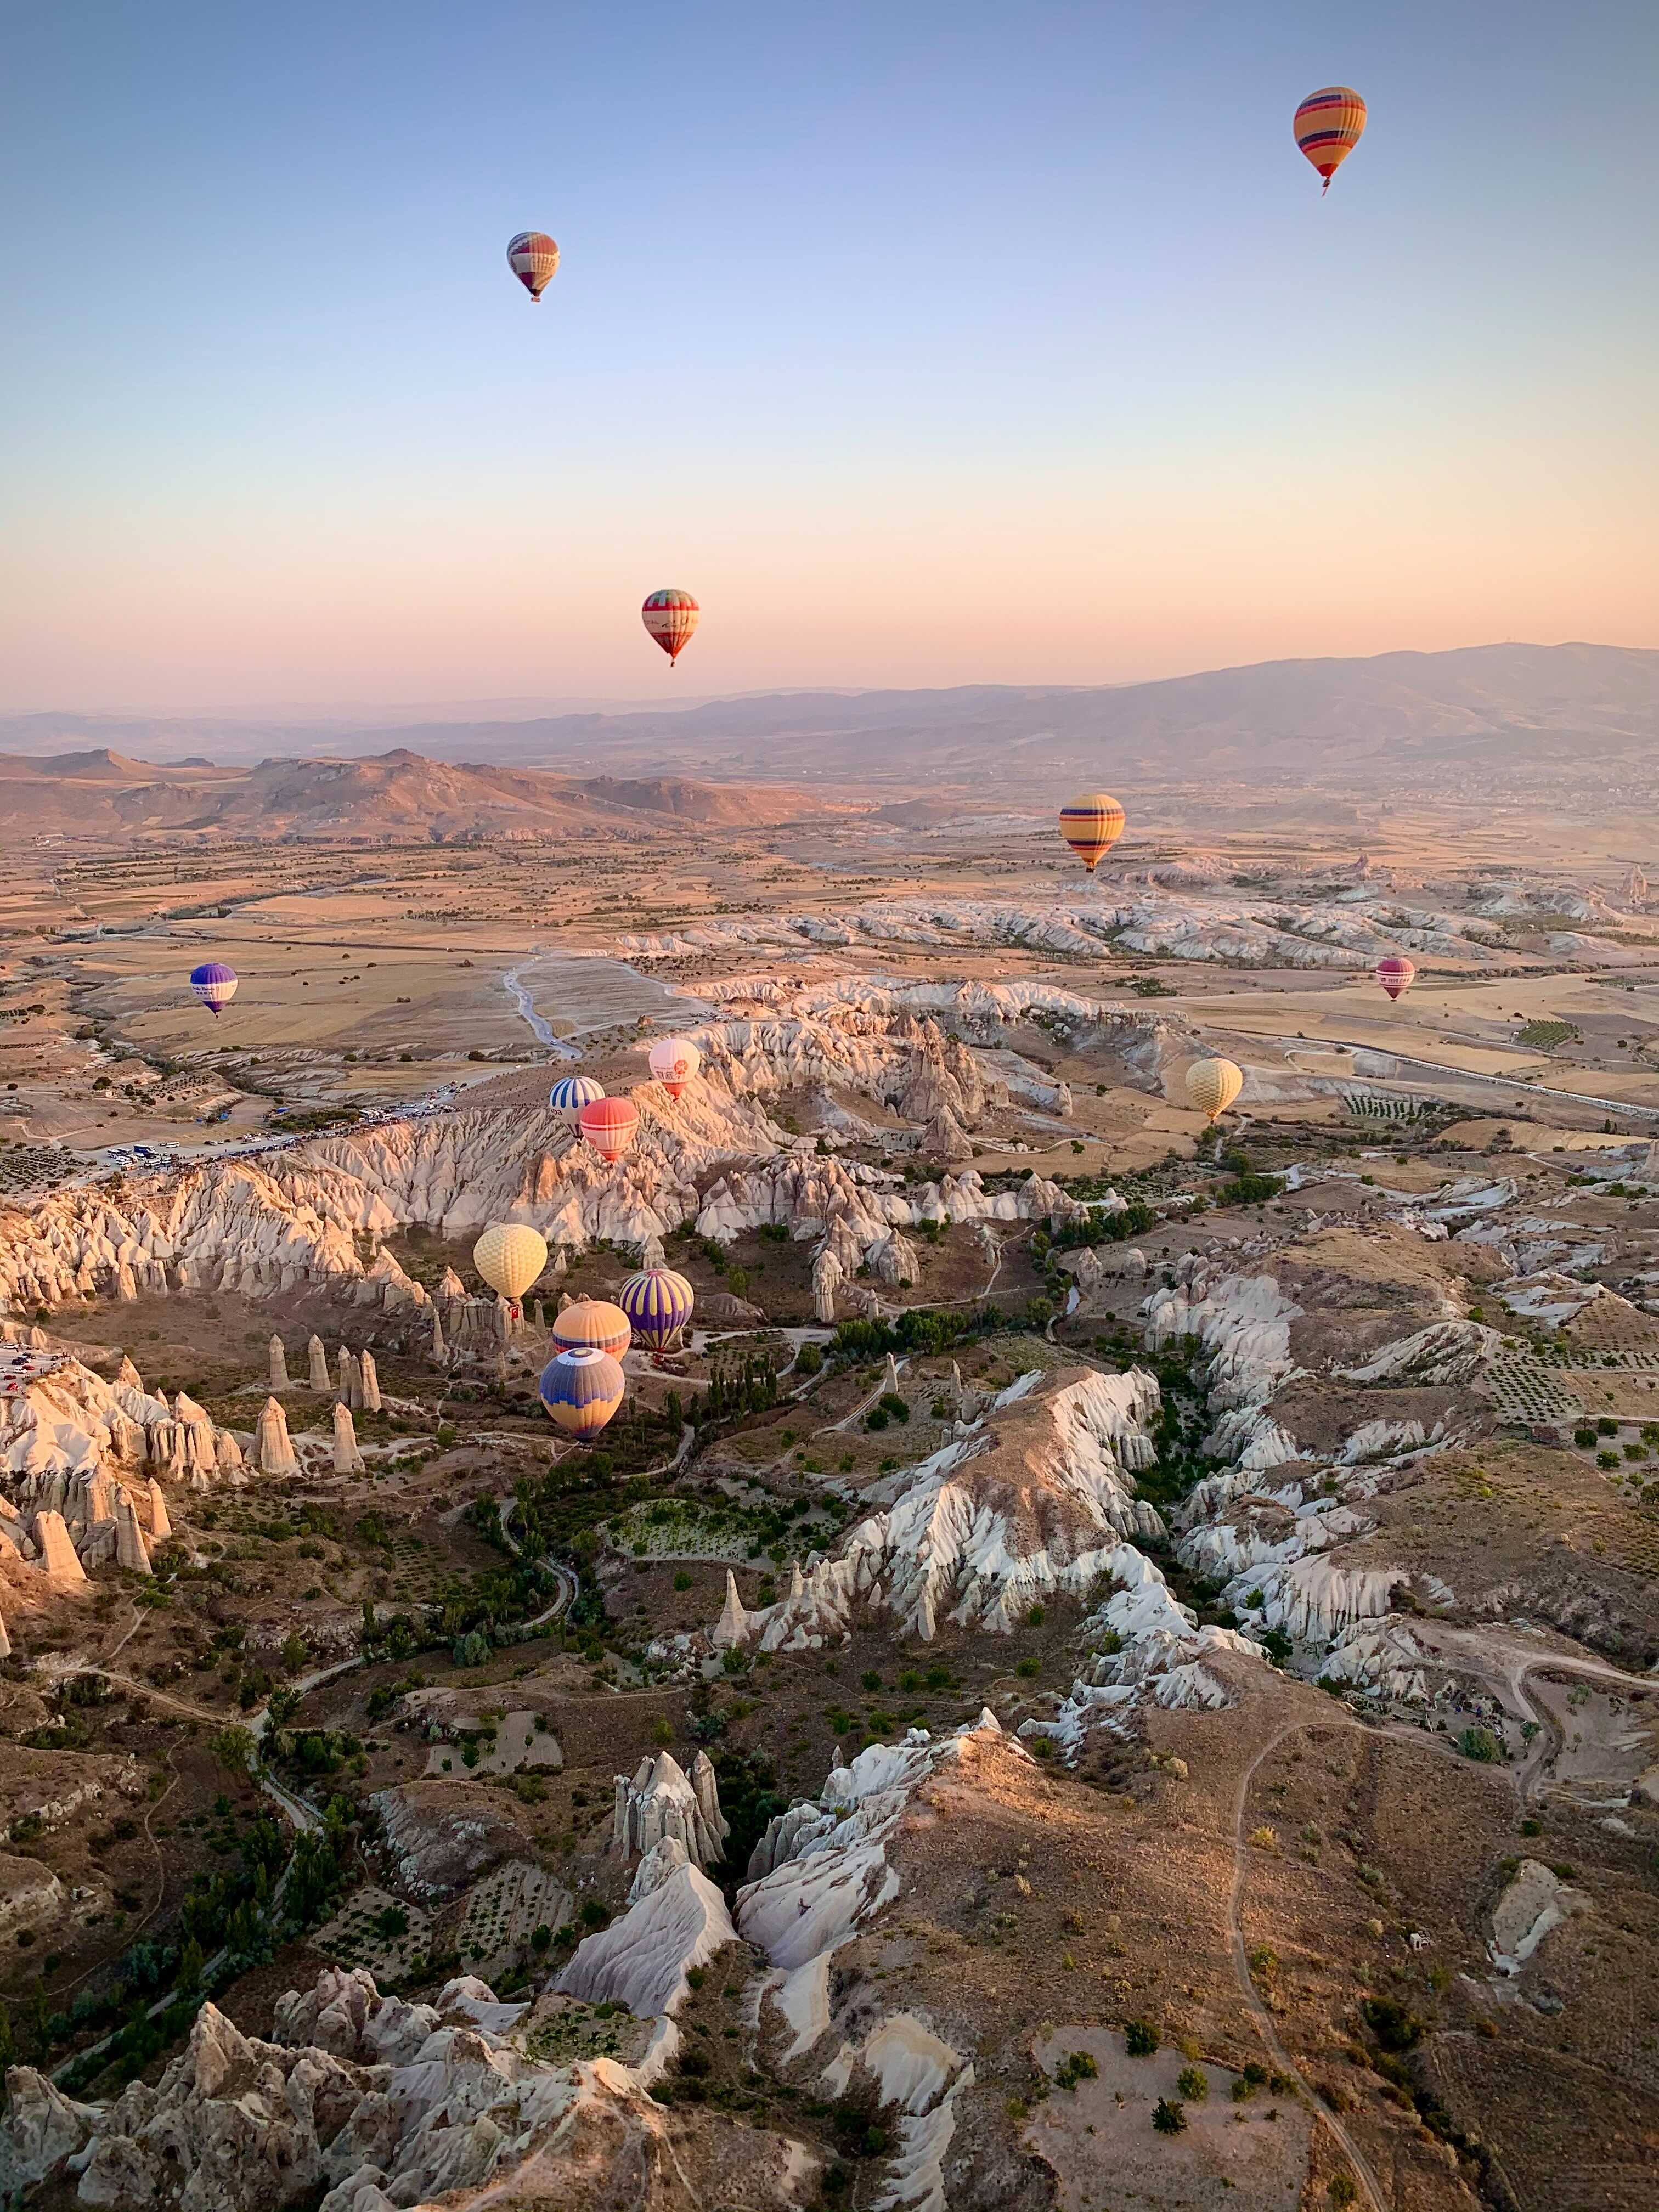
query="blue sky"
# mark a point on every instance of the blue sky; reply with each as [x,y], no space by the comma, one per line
[924,344]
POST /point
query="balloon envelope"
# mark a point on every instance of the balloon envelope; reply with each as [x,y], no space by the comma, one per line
[509,1256]
[571,1093]
[1394,974]
[674,1062]
[610,1125]
[534,259]
[581,1391]
[214,984]
[1328,127]
[593,1325]
[657,1302]
[1092,825]
[670,617]
[1213,1085]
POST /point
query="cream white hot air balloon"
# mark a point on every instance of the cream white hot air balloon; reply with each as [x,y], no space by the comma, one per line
[509,1256]
[674,1062]
[1213,1085]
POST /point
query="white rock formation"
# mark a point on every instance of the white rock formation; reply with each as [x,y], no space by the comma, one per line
[58,1557]
[372,2100]
[1535,1901]
[347,1460]
[369,1379]
[317,1361]
[278,1365]
[349,1384]
[1038,1497]
[676,1920]
[663,1800]
[131,1550]
[273,1451]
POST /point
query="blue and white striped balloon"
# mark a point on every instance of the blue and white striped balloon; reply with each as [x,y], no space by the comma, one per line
[571,1093]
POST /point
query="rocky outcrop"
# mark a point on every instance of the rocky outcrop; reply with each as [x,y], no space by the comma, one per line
[347,1460]
[316,1365]
[276,1366]
[675,1921]
[1038,1497]
[58,1557]
[663,1800]
[360,2100]
[369,1382]
[273,1449]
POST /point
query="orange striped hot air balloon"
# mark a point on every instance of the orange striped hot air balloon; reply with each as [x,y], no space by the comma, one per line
[593,1325]
[671,618]
[1092,825]
[1328,127]
[1394,974]
[534,260]
[610,1125]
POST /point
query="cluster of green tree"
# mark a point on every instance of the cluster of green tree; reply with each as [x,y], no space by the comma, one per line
[925,1331]
[1099,1229]
[750,1388]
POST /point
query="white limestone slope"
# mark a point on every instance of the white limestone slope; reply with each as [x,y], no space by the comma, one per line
[676,1920]
[823,1872]
[1037,1496]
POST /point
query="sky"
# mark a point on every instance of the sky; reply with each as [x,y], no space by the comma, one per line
[926,344]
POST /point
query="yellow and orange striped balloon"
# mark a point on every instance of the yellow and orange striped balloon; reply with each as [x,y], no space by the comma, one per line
[1092,825]
[1328,127]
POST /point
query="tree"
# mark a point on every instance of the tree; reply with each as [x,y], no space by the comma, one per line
[234,1747]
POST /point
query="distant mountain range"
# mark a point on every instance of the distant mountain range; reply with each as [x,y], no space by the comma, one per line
[104,795]
[1428,715]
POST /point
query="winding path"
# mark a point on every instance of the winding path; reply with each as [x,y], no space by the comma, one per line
[1368,2180]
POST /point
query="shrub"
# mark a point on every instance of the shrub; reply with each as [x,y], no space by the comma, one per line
[1027,1668]
[1194,2084]
[1604,1427]
[809,1360]
[682,1580]
[1168,2118]
[1341,2189]
[894,1406]
[1275,1644]
[1033,1616]
[1585,1439]
[870,1680]
[1480,1744]
[593,1914]
[1265,1838]
[1042,1746]
[1394,2028]
[1140,2038]
[877,1417]
[1607,1459]
[1077,2066]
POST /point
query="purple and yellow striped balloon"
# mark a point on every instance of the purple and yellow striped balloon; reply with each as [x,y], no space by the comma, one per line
[581,1390]
[657,1302]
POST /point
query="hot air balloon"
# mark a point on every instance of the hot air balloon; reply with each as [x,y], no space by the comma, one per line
[1328,127]
[674,1062]
[571,1093]
[610,1125]
[214,984]
[1213,1085]
[657,1302]
[1394,974]
[1092,825]
[534,259]
[581,1391]
[593,1325]
[670,617]
[509,1256]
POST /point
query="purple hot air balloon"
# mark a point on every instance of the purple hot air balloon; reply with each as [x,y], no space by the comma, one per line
[214,984]
[580,1390]
[658,1302]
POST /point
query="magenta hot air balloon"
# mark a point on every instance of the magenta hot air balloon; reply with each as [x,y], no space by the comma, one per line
[1394,974]
[214,984]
